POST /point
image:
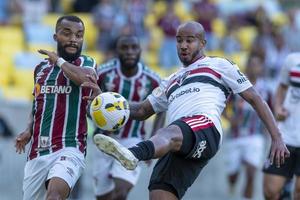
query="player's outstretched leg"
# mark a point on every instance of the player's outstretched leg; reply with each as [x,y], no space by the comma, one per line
[111,147]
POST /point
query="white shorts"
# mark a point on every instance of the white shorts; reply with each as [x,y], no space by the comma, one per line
[248,149]
[67,164]
[105,168]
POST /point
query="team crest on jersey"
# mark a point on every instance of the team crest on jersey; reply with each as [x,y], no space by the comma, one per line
[182,77]
[44,142]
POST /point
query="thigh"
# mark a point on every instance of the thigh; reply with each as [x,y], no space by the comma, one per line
[102,179]
[285,170]
[68,167]
[273,183]
[162,194]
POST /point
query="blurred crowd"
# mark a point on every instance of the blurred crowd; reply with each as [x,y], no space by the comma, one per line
[235,30]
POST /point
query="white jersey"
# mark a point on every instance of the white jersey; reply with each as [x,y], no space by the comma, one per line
[201,88]
[290,75]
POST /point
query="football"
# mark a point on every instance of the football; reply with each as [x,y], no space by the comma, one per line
[109,111]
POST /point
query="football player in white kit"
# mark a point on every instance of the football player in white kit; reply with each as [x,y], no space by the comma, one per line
[287,111]
[194,98]
[245,144]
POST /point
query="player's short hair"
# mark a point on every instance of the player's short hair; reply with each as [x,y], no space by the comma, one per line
[127,35]
[71,18]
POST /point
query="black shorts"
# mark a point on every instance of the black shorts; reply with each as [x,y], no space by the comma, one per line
[290,167]
[175,172]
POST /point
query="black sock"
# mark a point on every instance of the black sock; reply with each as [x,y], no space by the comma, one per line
[143,150]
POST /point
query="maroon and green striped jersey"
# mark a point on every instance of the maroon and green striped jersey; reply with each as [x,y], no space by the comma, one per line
[134,89]
[59,112]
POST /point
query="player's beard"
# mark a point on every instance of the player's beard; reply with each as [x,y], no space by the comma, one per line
[129,65]
[187,62]
[68,56]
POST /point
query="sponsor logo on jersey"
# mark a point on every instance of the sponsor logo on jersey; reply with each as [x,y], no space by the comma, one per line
[183,92]
[242,78]
[52,89]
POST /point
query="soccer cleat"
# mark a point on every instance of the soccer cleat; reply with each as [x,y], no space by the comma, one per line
[111,147]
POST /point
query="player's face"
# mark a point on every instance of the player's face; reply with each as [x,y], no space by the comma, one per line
[189,45]
[69,37]
[129,51]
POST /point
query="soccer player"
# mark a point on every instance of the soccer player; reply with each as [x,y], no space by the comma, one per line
[57,127]
[135,81]
[245,140]
[287,112]
[194,98]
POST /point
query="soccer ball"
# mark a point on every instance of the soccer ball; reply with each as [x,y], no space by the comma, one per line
[109,111]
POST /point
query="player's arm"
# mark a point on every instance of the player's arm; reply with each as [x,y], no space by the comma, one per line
[77,74]
[159,122]
[278,148]
[280,112]
[141,111]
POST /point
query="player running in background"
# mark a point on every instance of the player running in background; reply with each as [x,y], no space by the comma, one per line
[287,112]
[245,142]
[194,98]
[135,81]
[57,127]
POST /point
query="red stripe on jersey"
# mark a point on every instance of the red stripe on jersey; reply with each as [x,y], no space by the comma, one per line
[196,71]
[295,74]
[126,129]
[116,82]
[137,86]
[206,70]
[36,129]
[39,101]
[198,122]
[59,118]
[82,129]
[143,133]
[154,83]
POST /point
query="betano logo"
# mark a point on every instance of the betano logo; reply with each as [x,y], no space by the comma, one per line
[52,89]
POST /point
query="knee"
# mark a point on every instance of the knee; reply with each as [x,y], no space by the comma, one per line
[271,193]
[121,194]
[53,196]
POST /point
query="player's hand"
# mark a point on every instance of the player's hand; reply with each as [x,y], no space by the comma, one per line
[52,56]
[281,113]
[93,85]
[278,152]
[21,140]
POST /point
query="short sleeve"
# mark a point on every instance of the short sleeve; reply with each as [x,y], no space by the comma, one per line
[234,78]
[158,98]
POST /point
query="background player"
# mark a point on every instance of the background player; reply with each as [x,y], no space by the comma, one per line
[287,111]
[245,142]
[135,81]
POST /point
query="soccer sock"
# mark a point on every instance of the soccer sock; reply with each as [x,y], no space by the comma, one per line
[143,150]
